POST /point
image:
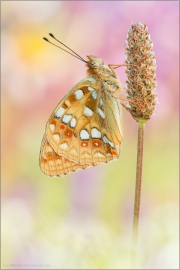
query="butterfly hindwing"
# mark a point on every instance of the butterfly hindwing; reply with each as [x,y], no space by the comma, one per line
[55,165]
[105,132]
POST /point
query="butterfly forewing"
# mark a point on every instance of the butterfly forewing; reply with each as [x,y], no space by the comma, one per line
[64,127]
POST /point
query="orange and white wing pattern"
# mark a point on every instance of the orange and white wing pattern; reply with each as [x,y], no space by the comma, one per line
[56,165]
[84,130]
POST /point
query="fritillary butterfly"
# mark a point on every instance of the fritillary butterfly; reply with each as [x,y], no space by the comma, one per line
[84,130]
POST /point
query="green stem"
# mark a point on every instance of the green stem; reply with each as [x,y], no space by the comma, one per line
[137,191]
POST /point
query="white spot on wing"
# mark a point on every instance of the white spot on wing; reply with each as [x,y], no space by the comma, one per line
[94,95]
[56,137]
[101,101]
[79,94]
[90,88]
[101,113]
[66,118]
[95,133]
[64,146]
[59,112]
[105,139]
[52,127]
[73,122]
[88,112]
[98,154]
[48,149]
[90,79]
[84,135]
[111,144]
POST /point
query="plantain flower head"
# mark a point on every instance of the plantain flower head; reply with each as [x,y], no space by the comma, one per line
[140,73]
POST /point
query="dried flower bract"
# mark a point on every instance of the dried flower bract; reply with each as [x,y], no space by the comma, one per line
[140,73]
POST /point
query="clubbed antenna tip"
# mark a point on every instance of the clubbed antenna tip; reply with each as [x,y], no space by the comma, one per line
[45,39]
[51,35]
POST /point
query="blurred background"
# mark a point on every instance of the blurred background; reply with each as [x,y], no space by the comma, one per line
[84,220]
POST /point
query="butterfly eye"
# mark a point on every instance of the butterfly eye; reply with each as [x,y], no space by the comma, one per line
[95,63]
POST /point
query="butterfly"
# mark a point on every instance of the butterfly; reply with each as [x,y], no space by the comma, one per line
[85,129]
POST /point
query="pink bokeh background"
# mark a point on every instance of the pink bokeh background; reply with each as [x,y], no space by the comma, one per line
[84,220]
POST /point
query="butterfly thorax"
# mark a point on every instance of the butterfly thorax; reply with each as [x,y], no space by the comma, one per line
[107,76]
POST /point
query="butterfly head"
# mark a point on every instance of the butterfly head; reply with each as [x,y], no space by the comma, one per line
[96,66]
[94,62]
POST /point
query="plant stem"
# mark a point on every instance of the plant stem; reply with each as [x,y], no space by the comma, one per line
[137,191]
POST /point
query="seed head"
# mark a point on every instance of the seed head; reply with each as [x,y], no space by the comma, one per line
[140,73]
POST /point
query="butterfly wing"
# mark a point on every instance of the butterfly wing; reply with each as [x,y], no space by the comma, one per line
[84,130]
[56,165]
[105,132]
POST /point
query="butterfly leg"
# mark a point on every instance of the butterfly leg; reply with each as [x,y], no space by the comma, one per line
[114,66]
[123,99]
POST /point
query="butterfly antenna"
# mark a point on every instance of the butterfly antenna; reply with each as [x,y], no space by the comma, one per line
[51,35]
[64,50]
[78,57]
